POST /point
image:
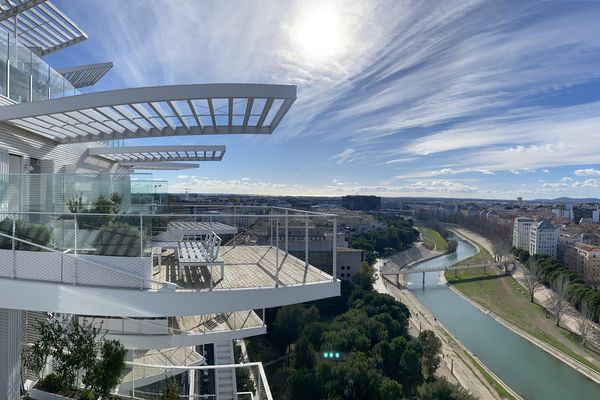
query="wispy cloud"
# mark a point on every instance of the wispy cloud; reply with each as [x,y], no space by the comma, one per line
[587,172]
[345,156]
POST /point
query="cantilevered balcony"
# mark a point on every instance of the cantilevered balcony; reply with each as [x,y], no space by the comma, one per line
[179,331]
[165,265]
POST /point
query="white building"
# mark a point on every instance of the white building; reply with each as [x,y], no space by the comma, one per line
[521,232]
[566,213]
[544,238]
[164,286]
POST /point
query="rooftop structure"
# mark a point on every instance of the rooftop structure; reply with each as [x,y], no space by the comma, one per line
[81,235]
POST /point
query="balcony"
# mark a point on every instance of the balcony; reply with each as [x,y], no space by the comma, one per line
[131,265]
[180,331]
[26,77]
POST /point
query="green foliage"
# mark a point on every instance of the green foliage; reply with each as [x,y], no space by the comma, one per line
[35,233]
[72,347]
[441,389]
[171,391]
[88,394]
[399,234]
[364,277]
[579,293]
[107,372]
[75,204]
[431,347]
[378,358]
[51,383]
[118,239]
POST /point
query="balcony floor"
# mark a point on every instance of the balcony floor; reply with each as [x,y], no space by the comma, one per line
[245,267]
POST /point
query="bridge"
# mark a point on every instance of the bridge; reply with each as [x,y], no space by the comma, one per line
[454,267]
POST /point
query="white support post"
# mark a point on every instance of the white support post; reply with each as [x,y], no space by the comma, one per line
[306,241]
[14,250]
[277,252]
[141,237]
[286,232]
[75,249]
[334,240]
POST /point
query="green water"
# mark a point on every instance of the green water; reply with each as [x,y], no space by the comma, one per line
[531,372]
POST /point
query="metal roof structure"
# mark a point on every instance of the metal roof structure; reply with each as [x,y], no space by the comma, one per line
[159,166]
[159,153]
[39,25]
[85,75]
[200,109]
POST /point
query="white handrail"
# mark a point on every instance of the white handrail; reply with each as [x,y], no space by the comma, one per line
[170,285]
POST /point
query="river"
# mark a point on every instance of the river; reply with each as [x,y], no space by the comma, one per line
[531,372]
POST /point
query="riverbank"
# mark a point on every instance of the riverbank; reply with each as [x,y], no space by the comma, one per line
[459,364]
[503,299]
[409,258]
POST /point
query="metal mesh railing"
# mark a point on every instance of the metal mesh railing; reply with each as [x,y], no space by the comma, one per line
[244,381]
[254,247]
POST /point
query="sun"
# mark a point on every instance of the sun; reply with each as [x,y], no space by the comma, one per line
[319,32]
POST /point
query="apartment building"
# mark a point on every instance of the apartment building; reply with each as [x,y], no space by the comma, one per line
[521,232]
[543,238]
[584,260]
[167,286]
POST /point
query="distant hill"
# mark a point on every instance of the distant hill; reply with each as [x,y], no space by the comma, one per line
[569,200]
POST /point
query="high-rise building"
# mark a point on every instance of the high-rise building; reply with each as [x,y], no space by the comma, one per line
[521,232]
[78,233]
[543,238]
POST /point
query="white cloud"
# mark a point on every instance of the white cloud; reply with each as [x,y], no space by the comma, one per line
[569,183]
[439,186]
[587,172]
[183,177]
[345,156]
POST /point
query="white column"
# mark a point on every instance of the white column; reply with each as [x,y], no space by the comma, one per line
[10,354]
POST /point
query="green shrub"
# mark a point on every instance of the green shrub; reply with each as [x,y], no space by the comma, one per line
[118,239]
[51,383]
[34,233]
[88,394]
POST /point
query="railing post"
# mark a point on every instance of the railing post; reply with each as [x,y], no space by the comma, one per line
[306,241]
[141,236]
[14,252]
[334,240]
[277,252]
[263,317]
[75,249]
[286,231]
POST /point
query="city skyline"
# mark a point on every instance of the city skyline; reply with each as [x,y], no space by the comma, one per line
[452,99]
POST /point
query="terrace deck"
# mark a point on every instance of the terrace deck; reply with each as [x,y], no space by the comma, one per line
[199,324]
[245,267]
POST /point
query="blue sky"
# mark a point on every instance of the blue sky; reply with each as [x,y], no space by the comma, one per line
[491,99]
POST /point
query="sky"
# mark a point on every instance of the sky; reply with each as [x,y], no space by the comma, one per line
[476,99]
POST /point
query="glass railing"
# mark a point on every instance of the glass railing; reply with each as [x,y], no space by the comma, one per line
[26,77]
[137,193]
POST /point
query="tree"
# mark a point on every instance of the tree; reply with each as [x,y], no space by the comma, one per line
[533,277]
[365,276]
[441,389]
[559,300]
[304,354]
[431,346]
[584,323]
[108,371]
[389,389]
[72,346]
[171,391]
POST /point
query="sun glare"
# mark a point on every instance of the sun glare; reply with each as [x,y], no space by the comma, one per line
[318,31]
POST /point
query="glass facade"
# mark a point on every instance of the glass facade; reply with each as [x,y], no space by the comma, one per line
[26,77]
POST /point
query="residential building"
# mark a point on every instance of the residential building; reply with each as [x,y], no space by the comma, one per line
[543,238]
[562,212]
[348,262]
[521,232]
[584,260]
[161,285]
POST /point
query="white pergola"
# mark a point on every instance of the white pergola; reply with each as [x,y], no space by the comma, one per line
[158,153]
[159,166]
[85,75]
[180,110]
[39,25]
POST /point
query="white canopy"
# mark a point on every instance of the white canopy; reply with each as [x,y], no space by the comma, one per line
[200,109]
